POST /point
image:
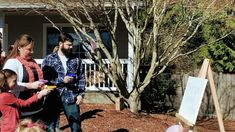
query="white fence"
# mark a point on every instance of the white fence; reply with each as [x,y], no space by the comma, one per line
[95,79]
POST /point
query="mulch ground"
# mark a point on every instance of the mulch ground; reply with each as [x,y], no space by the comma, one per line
[104,118]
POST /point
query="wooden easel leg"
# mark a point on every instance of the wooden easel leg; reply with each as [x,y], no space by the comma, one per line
[215,99]
[204,68]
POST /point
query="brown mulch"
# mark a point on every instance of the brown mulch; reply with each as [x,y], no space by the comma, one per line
[104,118]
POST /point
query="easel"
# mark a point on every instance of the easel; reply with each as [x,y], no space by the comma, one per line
[206,70]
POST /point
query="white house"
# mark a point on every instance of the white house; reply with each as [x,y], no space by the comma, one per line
[18,17]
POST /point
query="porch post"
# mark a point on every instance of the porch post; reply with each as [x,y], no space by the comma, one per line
[130,67]
[131,54]
[2,21]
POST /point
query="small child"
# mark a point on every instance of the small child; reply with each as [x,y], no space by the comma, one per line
[9,104]
[27,125]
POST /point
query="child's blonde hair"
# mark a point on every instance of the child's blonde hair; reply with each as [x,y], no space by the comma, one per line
[27,125]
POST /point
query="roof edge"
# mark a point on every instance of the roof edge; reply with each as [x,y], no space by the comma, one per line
[23,6]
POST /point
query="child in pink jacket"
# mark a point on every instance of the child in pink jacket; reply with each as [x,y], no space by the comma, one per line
[9,104]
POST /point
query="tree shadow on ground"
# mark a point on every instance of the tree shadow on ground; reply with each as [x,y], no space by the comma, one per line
[86,115]
[90,114]
[121,130]
[64,127]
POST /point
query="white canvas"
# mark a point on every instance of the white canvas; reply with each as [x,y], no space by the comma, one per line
[192,98]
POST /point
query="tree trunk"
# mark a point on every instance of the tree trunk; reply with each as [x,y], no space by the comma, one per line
[134,102]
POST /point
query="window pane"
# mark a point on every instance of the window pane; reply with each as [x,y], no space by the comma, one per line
[77,43]
[78,47]
[52,39]
[106,39]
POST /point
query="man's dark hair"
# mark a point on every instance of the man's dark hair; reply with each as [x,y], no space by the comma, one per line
[65,37]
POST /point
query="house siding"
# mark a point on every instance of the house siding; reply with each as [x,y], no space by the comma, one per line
[33,25]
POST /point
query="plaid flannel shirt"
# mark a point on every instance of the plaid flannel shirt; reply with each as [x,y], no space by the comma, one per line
[74,66]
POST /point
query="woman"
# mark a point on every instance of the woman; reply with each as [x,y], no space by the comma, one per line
[28,73]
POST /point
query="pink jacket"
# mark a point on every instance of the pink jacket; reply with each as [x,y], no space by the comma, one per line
[10,107]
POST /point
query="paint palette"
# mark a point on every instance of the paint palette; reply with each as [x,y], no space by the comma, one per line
[51,86]
[71,75]
[43,81]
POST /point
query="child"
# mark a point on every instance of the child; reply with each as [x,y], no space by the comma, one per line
[9,104]
[27,125]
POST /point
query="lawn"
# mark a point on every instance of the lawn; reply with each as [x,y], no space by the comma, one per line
[104,118]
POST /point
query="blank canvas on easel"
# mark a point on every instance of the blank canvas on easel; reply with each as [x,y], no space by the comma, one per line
[192,98]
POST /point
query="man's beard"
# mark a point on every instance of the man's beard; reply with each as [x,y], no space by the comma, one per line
[66,52]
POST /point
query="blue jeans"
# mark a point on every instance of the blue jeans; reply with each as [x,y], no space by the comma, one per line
[52,108]
[72,112]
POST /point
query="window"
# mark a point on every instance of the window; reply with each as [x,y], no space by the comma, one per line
[51,39]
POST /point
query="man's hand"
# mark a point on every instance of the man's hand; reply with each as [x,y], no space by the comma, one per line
[68,79]
[79,100]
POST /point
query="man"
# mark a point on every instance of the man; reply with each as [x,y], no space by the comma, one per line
[64,70]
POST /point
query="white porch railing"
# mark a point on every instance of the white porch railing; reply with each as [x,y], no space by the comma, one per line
[95,79]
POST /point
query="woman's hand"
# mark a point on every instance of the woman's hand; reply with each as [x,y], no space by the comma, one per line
[35,85]
[79,100]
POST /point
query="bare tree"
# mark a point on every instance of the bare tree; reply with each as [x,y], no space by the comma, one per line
[152,32]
